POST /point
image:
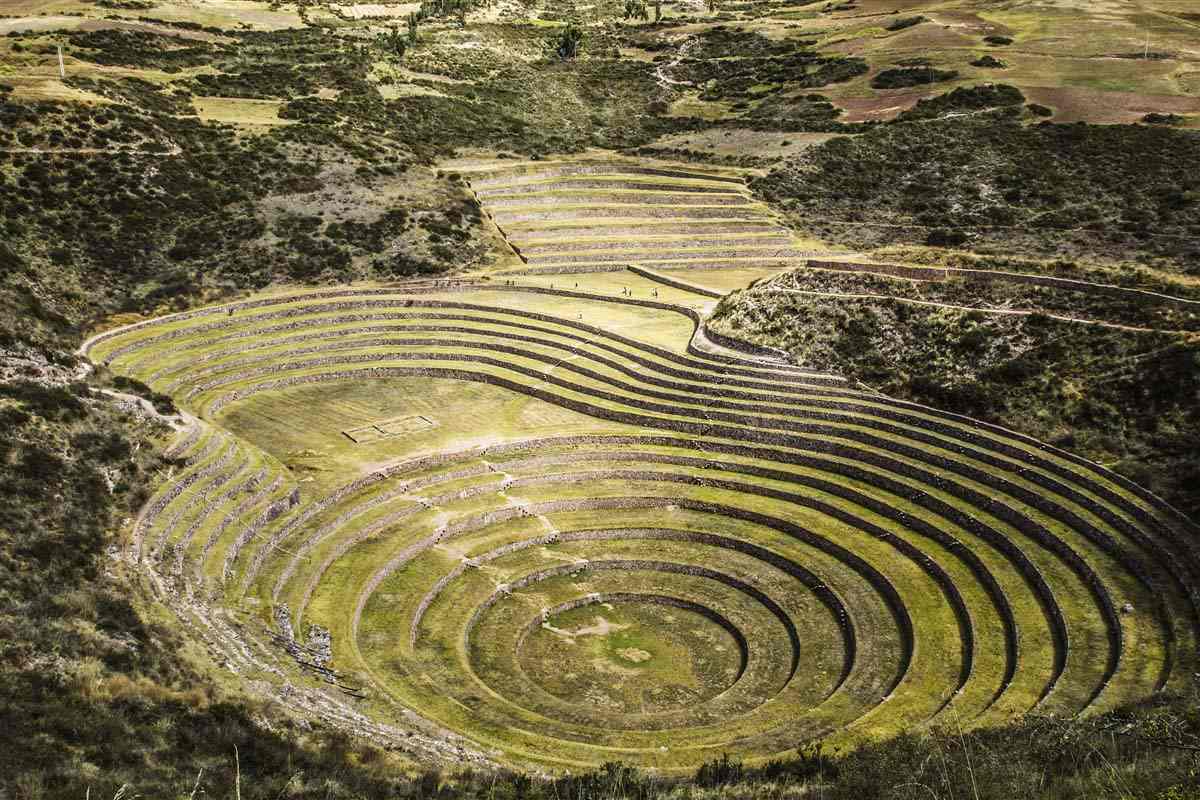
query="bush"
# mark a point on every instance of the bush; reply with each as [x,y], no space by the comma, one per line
[906,77]
[1154,118]
[162,403]
[569,42]
[904,22]
[989,62]
[940,237]
[974,98]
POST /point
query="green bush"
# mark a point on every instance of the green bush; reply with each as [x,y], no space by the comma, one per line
[904,22]
[906,77]
[989,62]
[974,98]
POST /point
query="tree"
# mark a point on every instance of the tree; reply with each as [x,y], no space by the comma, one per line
[396,42]
[636,9]
[412,29]
[658,10]
[712,6]
[569,42]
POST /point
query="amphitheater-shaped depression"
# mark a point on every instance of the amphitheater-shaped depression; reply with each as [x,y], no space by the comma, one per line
[555,524]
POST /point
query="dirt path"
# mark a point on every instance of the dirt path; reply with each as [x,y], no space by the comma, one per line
[177,421]
[660,72]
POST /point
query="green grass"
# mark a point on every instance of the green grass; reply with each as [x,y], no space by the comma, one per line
[517,695]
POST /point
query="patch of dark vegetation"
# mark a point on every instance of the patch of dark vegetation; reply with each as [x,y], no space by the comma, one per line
[141,49]
[811,112]
[287,64]
[721,41]
[1039,110]
[116,215]
[998,41]
[267,81]
[699,156]
[137,93]
[989,62]
[55,126]
[162,403]
[1155,118]
[904,22]
[1105,192]
[126,5]
[759,67]
[978,292]
[908,77]
[1146,55]
[965,99]
[373,236]
[1119,397]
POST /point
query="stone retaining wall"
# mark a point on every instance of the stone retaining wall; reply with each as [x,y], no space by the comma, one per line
[505,218]
[676,241]
[641,199]
[532,173]
[243,508]
[602,184]
[993,506]
[573,233]
[677,283]
[634,251]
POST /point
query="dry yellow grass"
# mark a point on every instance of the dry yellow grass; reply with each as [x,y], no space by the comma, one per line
[239,111]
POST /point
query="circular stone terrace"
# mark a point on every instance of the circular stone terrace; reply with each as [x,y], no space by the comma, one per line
[498,521]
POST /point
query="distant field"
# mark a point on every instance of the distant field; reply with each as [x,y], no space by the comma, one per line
[1083,58]
[238,111]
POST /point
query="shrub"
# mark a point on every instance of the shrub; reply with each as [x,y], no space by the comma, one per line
[911,76]
[1154,118]
[904,22]
[569,42]
[974,98]
[989,62]
[939,237]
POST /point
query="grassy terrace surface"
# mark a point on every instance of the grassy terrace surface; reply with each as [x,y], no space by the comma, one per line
[600,214]
[536,522]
